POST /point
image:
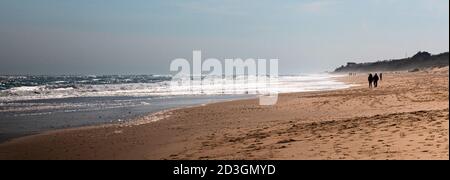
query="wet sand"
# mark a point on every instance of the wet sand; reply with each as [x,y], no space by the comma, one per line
[405,118]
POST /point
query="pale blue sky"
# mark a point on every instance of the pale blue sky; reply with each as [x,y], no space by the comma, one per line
[143,36]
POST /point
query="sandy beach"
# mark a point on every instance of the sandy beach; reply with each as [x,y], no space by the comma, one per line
[407,117]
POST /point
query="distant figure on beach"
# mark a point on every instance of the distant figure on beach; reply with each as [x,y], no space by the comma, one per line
[375,80]
[381,76]
[370,80]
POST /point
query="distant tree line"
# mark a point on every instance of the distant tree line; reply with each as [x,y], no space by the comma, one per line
[419,61]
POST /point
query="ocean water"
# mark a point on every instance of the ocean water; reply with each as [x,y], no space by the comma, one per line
[33,104]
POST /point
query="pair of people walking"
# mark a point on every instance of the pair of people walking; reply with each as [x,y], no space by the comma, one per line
[373,80]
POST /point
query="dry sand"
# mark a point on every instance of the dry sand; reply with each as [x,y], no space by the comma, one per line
[405,118]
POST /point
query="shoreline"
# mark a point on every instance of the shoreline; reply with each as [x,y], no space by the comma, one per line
[80,118]
[141,119]
[249,132]
[133,120]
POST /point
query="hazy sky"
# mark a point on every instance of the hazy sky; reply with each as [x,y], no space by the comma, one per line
[143,36]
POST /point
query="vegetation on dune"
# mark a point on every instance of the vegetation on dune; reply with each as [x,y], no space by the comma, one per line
[419,61]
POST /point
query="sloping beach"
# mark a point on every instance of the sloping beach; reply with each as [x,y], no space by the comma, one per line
[405,118]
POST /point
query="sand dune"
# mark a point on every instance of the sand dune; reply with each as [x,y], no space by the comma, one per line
[405,118]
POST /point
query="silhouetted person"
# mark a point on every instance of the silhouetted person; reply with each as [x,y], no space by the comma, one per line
[370,80]
[375,80]
[381,76]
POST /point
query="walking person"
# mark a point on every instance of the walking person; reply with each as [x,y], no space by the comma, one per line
[381,76]
[370,80]
[375,80]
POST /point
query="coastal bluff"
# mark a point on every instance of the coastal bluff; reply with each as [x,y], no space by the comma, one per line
[421,60]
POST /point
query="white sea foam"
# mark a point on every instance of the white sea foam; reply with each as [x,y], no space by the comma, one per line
[285,84]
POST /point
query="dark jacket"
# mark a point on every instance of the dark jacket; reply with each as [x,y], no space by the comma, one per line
[376,78]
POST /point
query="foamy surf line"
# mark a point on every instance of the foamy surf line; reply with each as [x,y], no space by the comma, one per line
[152,87]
